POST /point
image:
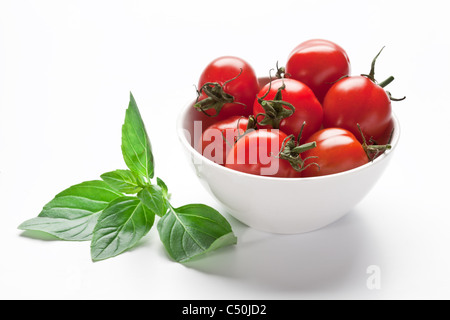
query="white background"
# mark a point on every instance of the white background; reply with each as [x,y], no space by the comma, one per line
[66,70]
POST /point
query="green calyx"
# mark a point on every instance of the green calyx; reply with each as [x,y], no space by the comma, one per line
[373,150]
[384,83]
[291,150]
[274,110]
[251,126]
[216,97]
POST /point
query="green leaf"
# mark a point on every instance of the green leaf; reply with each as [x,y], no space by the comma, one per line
[120,226]
[165,190]
[73,213]
[123,181]
[154,198]
[136,147]
[163,186]
[192,230]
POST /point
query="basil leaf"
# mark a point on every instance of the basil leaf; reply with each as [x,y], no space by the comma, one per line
[136,146]
[154,199]
[192,230]
[120,226]
[163,186]
[123,181]
[73,213]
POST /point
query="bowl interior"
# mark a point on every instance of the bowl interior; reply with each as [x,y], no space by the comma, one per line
[191,123]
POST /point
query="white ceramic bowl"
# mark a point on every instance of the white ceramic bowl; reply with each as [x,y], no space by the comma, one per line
[315,202]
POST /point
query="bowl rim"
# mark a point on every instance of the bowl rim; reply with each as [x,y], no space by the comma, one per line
[181,136]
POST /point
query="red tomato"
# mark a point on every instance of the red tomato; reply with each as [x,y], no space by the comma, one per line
[361,100]
[228,87]
[337,150]
[354,100]
[218,139]
[318,64]
[295,93]
[256,153]
[386,136]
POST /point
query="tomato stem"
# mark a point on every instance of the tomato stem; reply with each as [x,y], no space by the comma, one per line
[251,126]
[386,82]
[394,99]
[304,147]
[281,72]
[274,110]
[372,150]
[216,97]
[291,150]
[371,74]
[251,123]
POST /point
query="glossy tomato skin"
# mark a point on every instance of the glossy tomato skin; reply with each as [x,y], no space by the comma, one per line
[318,63]
[256,153]
[354,100]
[385,137]
[307,107]
[218,139]
[337,151]
[244,88]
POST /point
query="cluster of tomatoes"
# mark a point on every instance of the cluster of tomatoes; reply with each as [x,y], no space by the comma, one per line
[311,118]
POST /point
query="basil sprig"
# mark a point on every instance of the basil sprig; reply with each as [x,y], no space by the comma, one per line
[116,212]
